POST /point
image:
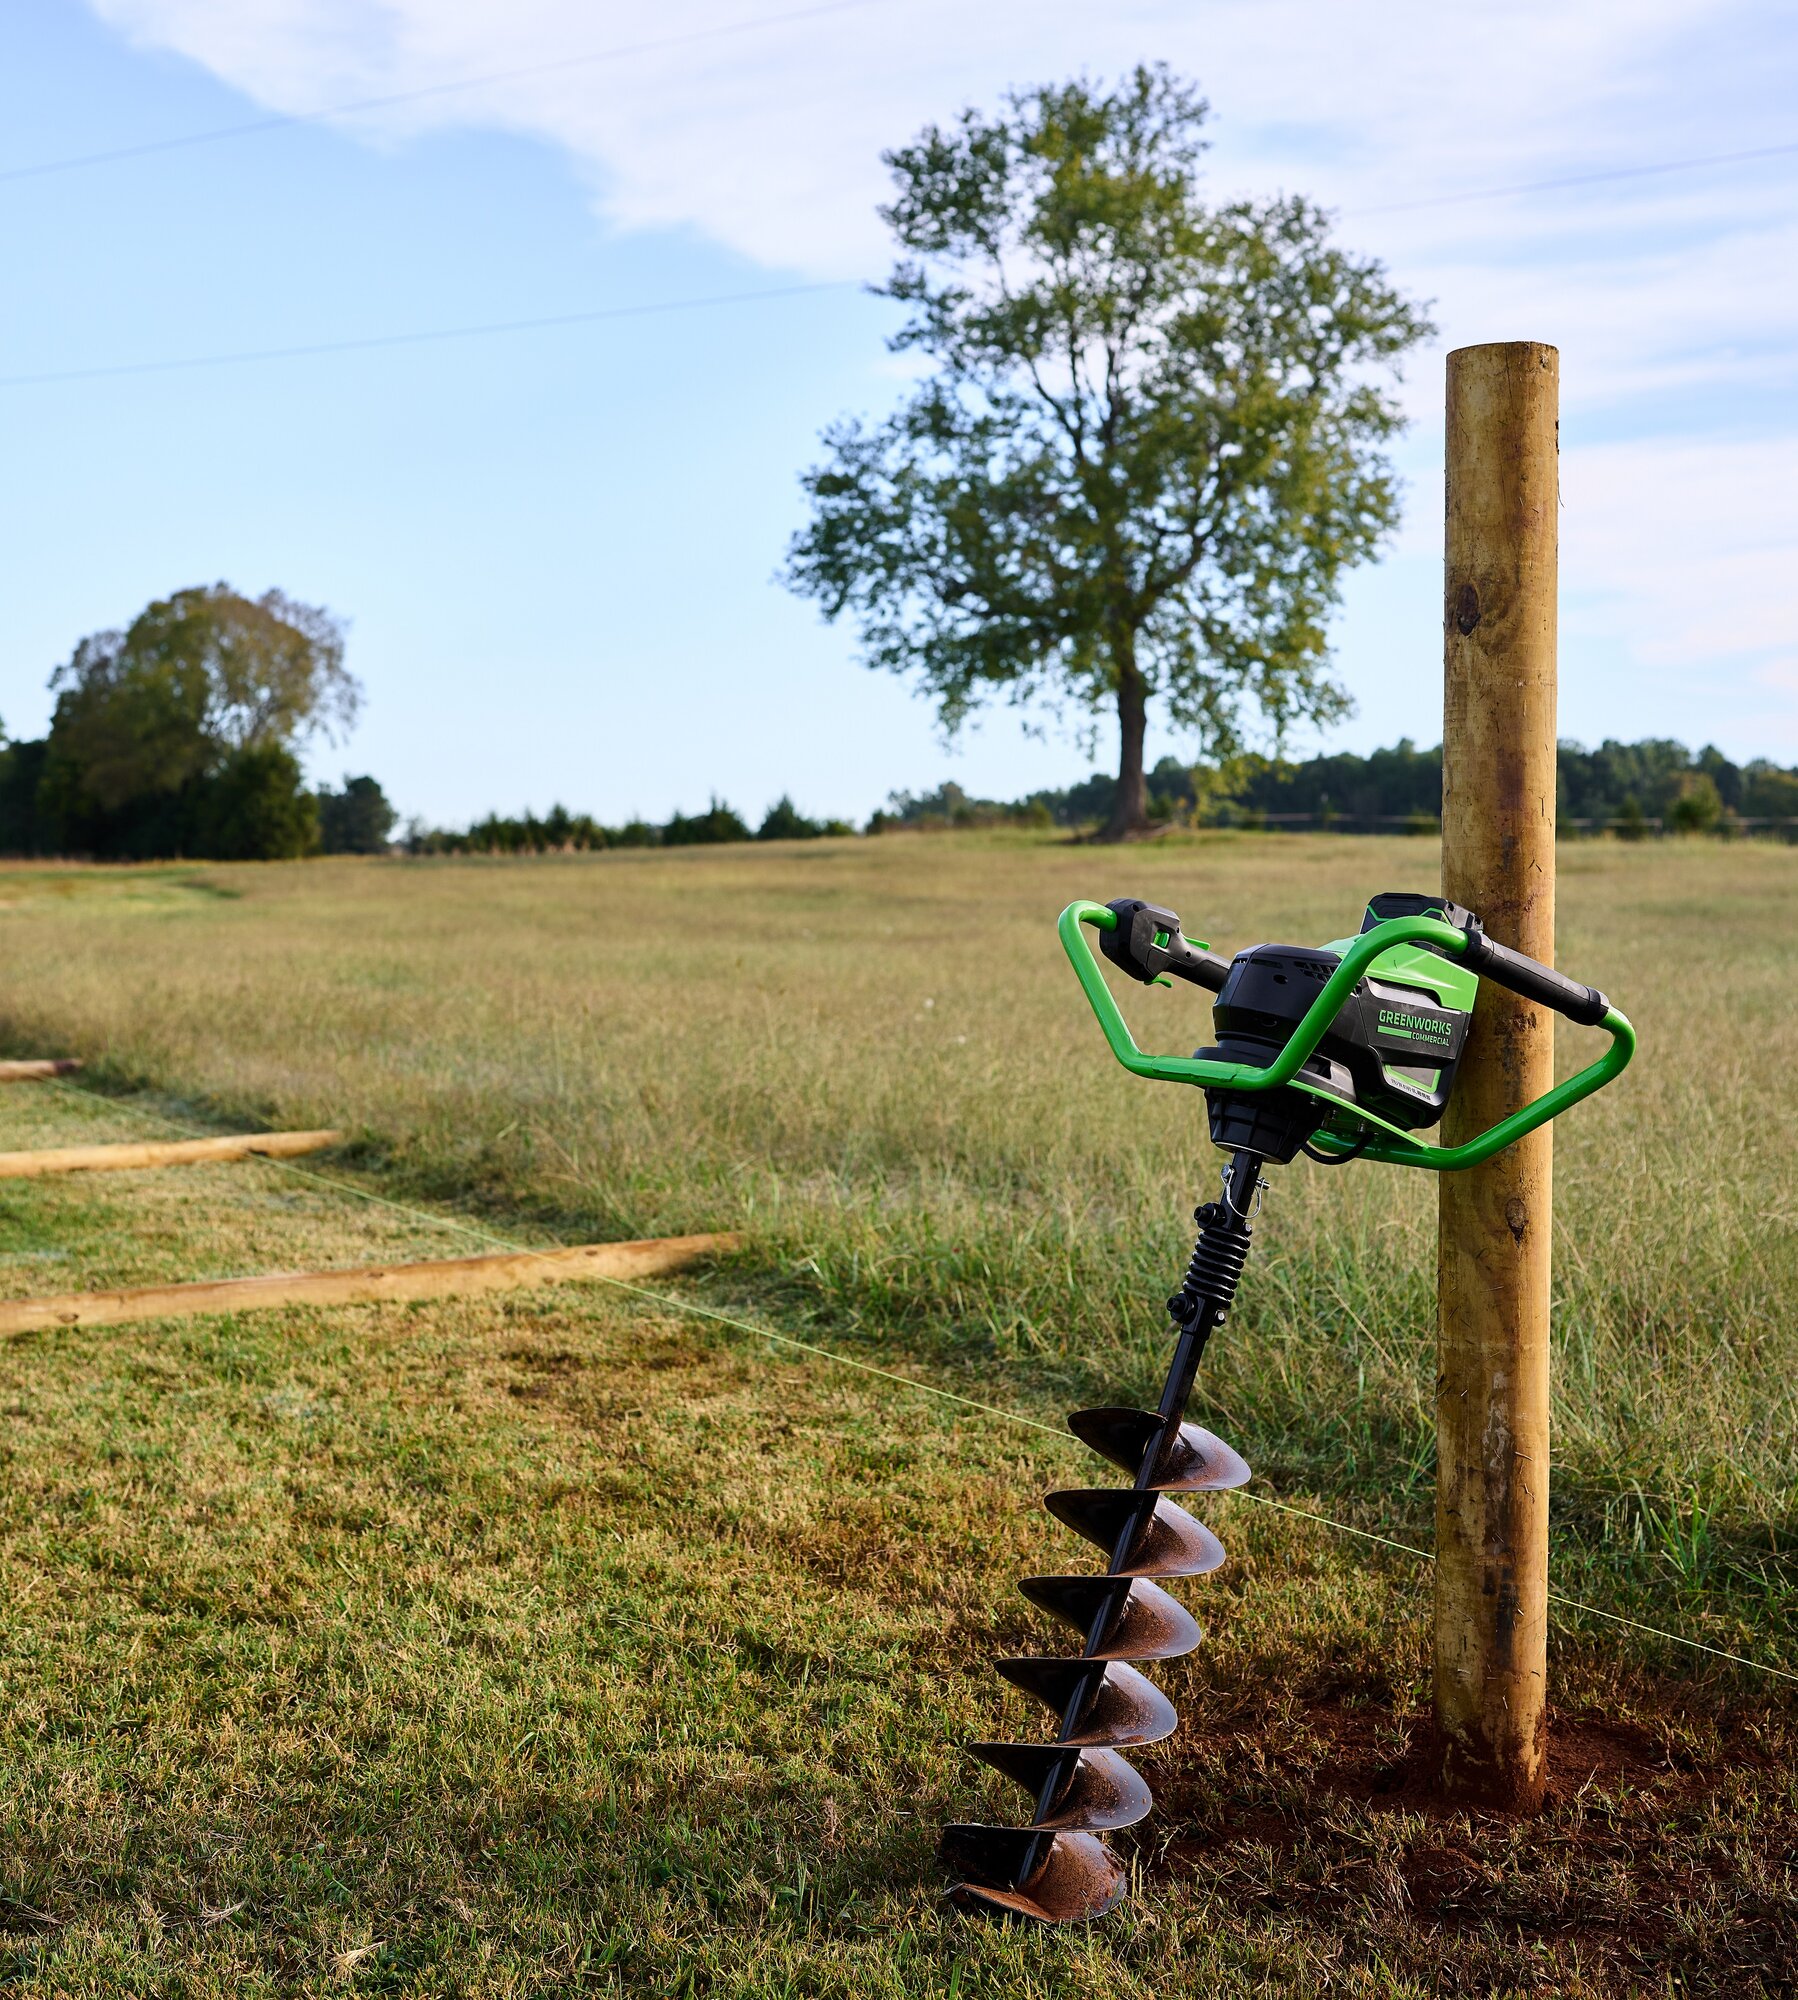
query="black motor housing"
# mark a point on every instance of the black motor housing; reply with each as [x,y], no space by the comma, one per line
[1268,992]
[1391,1049]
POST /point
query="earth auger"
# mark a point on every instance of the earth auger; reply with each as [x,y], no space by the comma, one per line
[1340,1052]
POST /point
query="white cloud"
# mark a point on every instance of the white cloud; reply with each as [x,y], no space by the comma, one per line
[1671,298]
[1693,550]
[768,139]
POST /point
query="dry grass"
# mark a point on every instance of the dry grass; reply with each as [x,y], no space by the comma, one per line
[555,1646]
[872,1055]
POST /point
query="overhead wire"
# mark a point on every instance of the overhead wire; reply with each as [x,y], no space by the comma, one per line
[472,331]
[543,322]
[370,343]
[697,1309]
[390,100]
[39,169]
[548,321]
[1579,180]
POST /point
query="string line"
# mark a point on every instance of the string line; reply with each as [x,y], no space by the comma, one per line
[841,1360]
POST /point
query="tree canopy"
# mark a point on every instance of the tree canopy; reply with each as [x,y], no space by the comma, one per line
[178,735]
[1151,440]
[356,820]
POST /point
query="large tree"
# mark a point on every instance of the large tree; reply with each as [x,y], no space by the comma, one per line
[205,689]
[1149,442]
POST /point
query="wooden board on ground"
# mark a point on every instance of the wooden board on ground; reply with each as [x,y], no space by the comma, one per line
[31,1071]
[162,1153]
[369,1284]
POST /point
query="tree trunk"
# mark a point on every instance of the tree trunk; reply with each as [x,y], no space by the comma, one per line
[1130,809]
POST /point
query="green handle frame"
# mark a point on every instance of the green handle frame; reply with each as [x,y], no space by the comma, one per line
[1397,1148]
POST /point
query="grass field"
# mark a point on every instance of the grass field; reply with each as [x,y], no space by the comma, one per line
[580,1644]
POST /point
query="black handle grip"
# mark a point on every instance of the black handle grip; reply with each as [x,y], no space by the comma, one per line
[1541,983]
[1147,943]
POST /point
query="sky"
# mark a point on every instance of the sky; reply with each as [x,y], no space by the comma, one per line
[556,546]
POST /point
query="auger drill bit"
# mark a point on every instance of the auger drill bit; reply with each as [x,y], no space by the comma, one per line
[1055,1868]
[1340,1051]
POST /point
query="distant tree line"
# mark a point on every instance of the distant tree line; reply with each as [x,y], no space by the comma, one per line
[178,736]
[1630,789]
[561,831]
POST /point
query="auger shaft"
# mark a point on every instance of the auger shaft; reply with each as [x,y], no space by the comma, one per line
[1197,1312]
[1093,1787]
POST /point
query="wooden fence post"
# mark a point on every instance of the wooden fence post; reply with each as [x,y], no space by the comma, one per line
[1498,860]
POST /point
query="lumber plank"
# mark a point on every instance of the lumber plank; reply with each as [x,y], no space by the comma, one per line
[162,1153]
[30,1071]
[367,1284]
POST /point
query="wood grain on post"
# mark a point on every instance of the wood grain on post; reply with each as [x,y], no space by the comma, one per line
[162,1153]
[368,1284]
[1498,860]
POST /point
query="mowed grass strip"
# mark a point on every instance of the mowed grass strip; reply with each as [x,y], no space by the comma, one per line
[558,1645]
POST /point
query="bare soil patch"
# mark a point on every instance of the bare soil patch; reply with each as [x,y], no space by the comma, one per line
[1635,1870]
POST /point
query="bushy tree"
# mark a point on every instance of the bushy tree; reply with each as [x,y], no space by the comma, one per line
[356,820]
[784,821]
[255,808]
[271,667]
[1150,444]
[1768,792]
[21,777]
[718,824]
[149,722]
[130,724]
[1697,806]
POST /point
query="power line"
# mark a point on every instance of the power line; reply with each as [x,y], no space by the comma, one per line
[375,341]
[38,169]
[1579,180]
[41,168]
[379,340]
[370,342]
